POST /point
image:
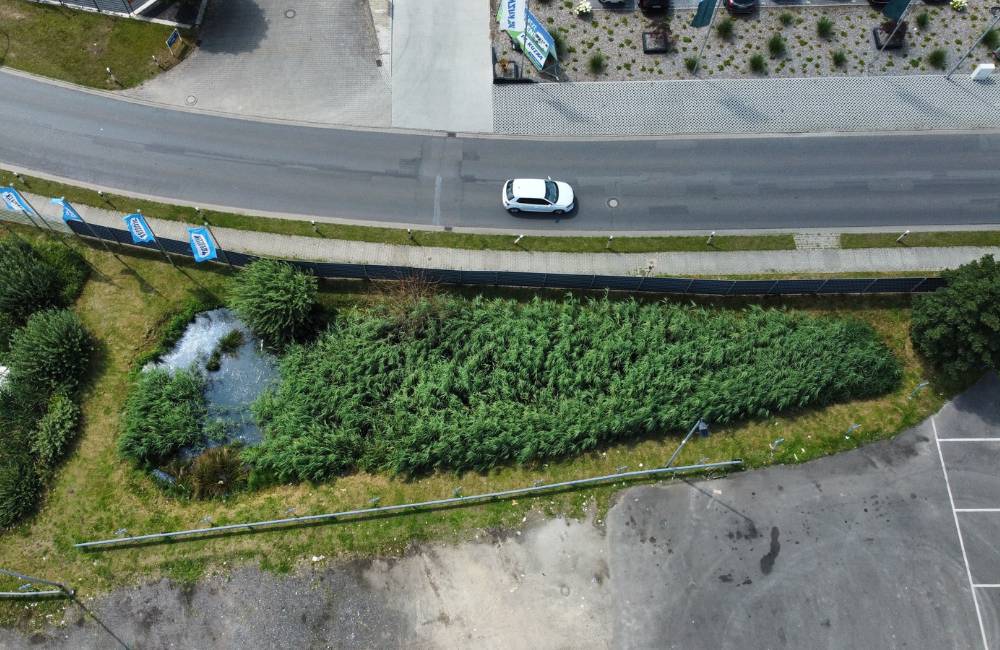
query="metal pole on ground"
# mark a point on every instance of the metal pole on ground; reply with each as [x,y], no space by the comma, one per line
[895,29]
[708,34]
[61,589]
[216,240]
[996,19]
[701,426]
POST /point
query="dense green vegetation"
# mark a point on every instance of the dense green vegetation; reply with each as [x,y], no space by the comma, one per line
[164,412]
[48,352]
[958,327]
[456,384]
[275,300]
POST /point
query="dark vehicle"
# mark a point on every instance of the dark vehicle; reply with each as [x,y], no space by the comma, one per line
[654,5]
[741,6]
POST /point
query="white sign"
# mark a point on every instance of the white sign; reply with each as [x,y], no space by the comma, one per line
[983,72]
[513,12]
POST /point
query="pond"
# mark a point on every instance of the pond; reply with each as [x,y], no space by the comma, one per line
[240,378]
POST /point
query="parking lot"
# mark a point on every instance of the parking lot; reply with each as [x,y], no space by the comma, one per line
[893,545]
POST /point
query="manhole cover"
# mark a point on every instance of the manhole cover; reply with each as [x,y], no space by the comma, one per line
[290,13]
[191,100]
[612,203]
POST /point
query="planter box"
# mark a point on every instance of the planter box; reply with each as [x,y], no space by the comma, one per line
[897,42]
[655,42]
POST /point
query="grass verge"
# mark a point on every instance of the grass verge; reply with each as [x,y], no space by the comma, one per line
[131,304]
[78,46]
[920,239]
[398,236]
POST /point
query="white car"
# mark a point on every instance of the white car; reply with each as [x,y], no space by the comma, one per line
[537,195]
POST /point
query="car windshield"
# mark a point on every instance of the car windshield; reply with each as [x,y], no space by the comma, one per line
[551,192]
[510,190]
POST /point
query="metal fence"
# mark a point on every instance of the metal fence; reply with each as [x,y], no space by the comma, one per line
[683,286]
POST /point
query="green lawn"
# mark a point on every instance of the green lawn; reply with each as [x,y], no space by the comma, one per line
[948,238]
[77,46]
[95,493]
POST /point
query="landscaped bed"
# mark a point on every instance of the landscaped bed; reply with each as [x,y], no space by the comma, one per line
[607,45]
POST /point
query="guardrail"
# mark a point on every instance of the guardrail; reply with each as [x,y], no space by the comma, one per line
[682,286]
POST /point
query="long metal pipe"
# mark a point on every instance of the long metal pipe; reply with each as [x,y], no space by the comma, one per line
[256,526]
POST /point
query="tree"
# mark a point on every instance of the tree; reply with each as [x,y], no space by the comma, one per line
[27,283]
[275,300]
[958,327]
[51,351]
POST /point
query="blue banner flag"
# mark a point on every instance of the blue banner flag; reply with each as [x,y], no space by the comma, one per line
[14,202]
[139,229]
[895,9]
[69,213]
[201,244]
[703,16]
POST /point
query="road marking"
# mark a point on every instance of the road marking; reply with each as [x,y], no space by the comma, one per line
[961,542]
[437,200]
[977,509]
[986,586]
[969,440]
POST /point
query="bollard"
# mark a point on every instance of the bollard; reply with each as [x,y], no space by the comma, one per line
[710,238]
[112,76]
[899,240]
[409,234]
[518,240]
[611,239]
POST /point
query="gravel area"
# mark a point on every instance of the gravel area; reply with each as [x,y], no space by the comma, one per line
[617,35]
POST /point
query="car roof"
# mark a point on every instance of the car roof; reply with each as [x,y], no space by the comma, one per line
[529,188]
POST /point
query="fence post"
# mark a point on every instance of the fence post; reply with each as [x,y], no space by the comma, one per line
[364,267]
[772,288]
[687,289]
[593,281]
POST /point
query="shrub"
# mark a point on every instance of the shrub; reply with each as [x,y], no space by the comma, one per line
[776,46]
[27,283]
[824,27]
[19,487]
[725,28]
[274,299]
[992,39]
[51,351]
[839,58]
[923,20]
[70,268]
[757,64]
[957,328]
[786,18]
[486,382]
[7,327]
[55,430]
[215,473]
[938,58]
[231,342]
[597,63]
[690,63]
[163,413]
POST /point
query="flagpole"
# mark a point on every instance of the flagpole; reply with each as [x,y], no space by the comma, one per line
[711,21]
[217,244]
[157,241]
[56,233]
[895,28]
[62,201]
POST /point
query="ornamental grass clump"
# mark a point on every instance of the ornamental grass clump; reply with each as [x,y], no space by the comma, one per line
[275,300]
[164,413]
[470,385]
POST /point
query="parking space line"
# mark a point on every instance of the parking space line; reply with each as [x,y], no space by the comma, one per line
[968,439]
[961,542]
[986,586]
[977,509]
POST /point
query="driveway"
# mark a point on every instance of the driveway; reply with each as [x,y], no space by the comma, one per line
[308,60]
[889,546]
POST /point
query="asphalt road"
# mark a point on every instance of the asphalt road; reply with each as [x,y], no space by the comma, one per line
[661,183]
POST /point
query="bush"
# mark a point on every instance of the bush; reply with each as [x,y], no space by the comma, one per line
[19,487]
[27,283]
[776,46]
[757,64]
[938,58]
[215,473]
[70,268]
[786,18]
[957,328]
[164,412]
[690,63]
[231,342]
[485,382]
[839,58]
[597,63]
[7,327]
[725,28]
[275,300]
[50,352]
[992,39]
[923,20]
[824,27]
[55,430]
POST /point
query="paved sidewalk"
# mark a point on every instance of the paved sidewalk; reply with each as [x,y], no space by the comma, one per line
[817,260]
[902,103]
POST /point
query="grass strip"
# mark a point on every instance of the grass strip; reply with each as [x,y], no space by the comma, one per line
[921,239]
[399,236]
[78,46]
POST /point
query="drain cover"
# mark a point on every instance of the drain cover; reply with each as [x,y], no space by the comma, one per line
[612,203]
[191,100]
[290,13]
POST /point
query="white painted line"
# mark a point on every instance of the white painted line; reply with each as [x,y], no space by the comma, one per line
[969,440]
[977,509]
[986,586]
[437,200]
[961,542]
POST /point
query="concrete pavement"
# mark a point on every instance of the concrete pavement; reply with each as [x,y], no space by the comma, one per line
[713,183]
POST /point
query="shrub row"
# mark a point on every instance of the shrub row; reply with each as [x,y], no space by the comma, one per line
[454,384]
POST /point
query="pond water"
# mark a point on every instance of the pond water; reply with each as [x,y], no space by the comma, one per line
[237,383]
